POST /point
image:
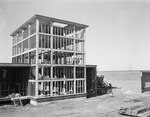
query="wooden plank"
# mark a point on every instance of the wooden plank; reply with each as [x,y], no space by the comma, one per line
[145,114]
[129,110]
[140,110]
[17,102]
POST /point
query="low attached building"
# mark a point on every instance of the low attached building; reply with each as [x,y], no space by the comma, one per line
[135,81]
[14,79]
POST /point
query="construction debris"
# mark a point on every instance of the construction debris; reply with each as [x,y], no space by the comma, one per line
[135,111]
[17,102]
[13,95]
[16,98]
[131,99]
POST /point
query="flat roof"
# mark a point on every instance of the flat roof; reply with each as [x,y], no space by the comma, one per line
[14,65]
[78,25]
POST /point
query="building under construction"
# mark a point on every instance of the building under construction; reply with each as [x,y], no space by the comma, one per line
[48,62]
[55,51]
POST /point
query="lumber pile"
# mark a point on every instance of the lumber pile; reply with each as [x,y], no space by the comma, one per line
[135,111]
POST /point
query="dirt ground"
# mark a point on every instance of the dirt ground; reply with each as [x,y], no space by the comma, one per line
[100,106]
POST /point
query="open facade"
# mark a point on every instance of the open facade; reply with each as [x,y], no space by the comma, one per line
[55,49]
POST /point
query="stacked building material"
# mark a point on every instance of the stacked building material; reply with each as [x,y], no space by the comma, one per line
[136,111]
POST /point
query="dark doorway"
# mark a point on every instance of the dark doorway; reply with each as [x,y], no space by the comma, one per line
[145,82]
[91,81]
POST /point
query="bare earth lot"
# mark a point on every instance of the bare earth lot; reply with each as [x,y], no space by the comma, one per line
[100,106]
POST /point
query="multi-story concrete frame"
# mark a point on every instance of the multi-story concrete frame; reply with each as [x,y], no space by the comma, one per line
[55,49]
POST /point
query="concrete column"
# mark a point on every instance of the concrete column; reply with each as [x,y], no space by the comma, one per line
[51,30]
[37,45]
[85,79]
[29,27]
[74,32]
[17,45]
[84,61]
[22,42]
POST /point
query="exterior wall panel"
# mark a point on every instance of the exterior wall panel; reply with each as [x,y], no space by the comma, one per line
[126,81]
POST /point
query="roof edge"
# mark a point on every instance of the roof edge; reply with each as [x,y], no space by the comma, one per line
[53,19]
[22,25]
[14,65]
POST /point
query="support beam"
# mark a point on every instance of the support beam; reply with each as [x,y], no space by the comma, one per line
[37,57]
[84,62]
[73,61]
[51,30]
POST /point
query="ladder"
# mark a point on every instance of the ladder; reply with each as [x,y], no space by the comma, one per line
[17,102]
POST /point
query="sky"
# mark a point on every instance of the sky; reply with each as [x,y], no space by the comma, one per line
[118,36]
